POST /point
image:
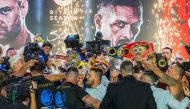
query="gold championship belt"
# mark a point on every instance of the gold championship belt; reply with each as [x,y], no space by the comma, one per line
[73,59]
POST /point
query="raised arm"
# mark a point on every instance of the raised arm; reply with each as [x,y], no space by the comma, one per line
[55,77]
[33,100]
[24,67]
[165,78]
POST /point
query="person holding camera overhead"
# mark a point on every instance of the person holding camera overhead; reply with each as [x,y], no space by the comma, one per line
[19,65]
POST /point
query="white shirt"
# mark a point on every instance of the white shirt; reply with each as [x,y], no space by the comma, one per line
[164,99]
[98,92]
[105,81]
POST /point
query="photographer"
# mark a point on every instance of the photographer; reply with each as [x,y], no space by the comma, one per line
[45,51]
[44,56]
[33,51]
[41,54]
[12,60]
[5,103]
[20,67]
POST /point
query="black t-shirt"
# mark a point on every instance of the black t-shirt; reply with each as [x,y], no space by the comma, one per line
[45,93]
[4,104]
[69,96]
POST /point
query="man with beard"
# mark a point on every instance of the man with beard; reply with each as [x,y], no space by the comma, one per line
[172,77]
[119,20]
[163,97]
[13,30]
[95,88]
[71,96]
[167,53]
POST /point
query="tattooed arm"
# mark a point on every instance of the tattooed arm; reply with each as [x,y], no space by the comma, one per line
[165,78]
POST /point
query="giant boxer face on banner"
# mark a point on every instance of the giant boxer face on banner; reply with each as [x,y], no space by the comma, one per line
[13,31]
[163,23]
[119,20]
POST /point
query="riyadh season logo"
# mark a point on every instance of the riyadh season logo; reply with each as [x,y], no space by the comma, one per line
[63,2]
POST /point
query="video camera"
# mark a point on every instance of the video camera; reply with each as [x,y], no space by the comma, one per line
[33,51]
[93,47]
[97,47]
[72,41]
[18,88]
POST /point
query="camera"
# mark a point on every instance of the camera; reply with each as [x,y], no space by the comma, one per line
[93,47]
[31,51]
[72,41]
[97,47]
[18,88]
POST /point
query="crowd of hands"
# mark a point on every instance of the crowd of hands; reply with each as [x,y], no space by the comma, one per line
[19,69]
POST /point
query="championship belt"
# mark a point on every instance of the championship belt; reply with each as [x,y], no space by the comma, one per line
[73,59]
[116,52]
[137,48]
[61,57]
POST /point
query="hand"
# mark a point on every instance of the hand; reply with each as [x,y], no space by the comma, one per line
[186,91]
[31,63]
[32,96]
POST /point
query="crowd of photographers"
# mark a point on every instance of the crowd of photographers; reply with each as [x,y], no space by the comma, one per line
[28,81]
